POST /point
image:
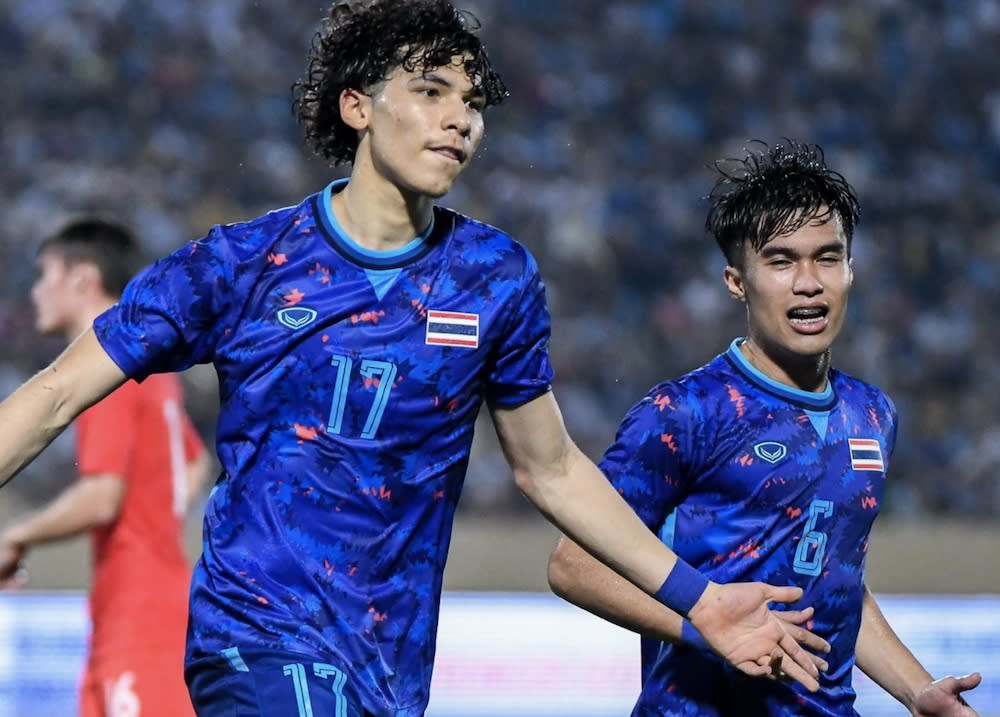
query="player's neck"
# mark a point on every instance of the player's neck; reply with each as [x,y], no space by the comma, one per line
[806,373]
[89,310]
[378,215]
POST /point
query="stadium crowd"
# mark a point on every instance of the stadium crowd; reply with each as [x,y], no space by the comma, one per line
[174,116]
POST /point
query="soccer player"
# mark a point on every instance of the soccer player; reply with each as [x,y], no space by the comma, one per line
[765,464]
[139,460]
[356,335]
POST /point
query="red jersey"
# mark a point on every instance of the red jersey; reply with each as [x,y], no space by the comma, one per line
[138,598]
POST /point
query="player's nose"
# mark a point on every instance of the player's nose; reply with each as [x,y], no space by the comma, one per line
[807,280]
[458,117]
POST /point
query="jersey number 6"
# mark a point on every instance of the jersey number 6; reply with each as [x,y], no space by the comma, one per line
[812,545]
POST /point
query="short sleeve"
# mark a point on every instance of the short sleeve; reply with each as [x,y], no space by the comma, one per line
[648,464]
[521,370]
[892,419]
[171,315]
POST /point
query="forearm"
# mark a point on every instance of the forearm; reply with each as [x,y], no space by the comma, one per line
[89,503]
[30,419]
[580,579]
[576,497]
[884,658]
[48,402]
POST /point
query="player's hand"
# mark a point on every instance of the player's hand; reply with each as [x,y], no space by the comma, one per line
[943,698]
[11,555]
[796,624]
[736,621]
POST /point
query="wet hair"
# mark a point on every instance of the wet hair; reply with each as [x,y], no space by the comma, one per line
[110,246]
[359,45]
[774,191]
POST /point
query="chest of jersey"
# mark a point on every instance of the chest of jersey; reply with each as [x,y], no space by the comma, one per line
[790,488]
[334,347]
[786,458]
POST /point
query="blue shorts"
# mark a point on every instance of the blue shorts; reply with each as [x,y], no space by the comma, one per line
[258,683]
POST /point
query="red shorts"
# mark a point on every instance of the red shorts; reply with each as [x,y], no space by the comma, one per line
[144,686]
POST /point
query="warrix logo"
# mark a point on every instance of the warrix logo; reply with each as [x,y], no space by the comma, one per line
[295,317]
[770,451]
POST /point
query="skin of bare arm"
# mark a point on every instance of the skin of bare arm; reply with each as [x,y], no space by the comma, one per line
[579,578]
[47,403]
[576,497]
[886,660]
[91,502]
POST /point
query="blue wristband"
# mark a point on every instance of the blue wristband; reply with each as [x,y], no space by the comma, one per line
[682,588]
[691,636]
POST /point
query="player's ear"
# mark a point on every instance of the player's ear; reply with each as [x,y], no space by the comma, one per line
[83,275]
[734,282]
[850,272]
[355,108]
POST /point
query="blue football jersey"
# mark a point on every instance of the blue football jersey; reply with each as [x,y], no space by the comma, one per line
[350,381]
[748,479]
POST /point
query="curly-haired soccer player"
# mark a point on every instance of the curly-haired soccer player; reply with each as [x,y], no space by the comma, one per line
[356,335]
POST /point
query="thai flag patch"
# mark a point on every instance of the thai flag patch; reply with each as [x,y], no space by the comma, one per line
[452,328]
[866,454]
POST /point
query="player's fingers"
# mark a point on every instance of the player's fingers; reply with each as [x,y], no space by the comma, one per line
[809,640]
[787,593]
[966,682]
[757,650]
[798,658]
[14,580]
[821,664]
[814,643]
[791,669]
[753,669]
[794,617]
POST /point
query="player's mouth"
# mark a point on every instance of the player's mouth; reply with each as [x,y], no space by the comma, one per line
[455,154]
[809,319]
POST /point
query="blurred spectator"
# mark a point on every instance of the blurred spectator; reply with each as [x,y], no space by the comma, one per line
[176,115]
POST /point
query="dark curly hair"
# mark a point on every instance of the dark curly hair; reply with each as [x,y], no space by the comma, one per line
[774,191]
[361,42]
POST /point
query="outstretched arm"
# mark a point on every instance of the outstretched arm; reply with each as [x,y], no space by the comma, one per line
[41,409]
[574,495]
[885,659]
[577,577]
[91,502]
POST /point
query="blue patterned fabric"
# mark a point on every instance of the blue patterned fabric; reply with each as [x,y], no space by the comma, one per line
[345,425]
[749,480]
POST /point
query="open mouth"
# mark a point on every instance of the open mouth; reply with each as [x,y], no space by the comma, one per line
[808,316]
